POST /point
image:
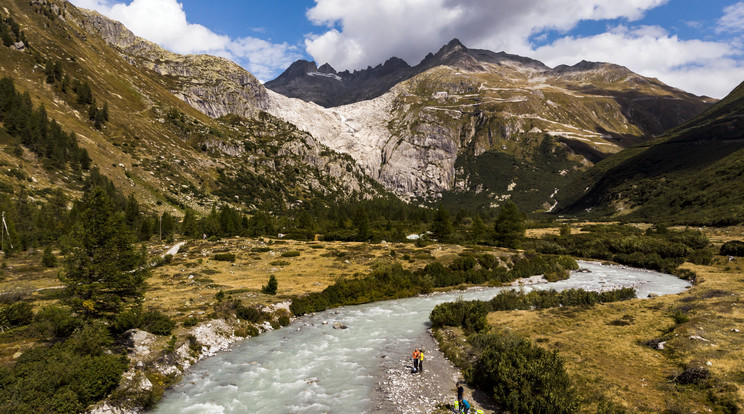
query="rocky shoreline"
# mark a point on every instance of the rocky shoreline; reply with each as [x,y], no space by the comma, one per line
[433,391]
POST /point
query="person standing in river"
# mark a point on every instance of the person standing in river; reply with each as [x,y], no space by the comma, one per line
[421,360]
[415,360]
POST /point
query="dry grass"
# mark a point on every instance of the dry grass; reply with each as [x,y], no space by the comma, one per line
[193,278]
[606,350]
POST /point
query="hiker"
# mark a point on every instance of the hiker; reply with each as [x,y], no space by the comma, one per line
[415,360]
[460,391]
[421,360]
[464,406]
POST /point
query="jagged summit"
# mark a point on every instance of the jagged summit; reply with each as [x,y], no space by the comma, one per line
[372,82]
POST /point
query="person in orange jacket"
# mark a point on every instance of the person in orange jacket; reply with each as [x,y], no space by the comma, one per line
[415,360]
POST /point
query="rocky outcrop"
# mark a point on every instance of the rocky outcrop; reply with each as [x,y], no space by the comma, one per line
[215,86]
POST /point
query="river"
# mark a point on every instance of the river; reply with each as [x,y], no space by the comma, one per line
[310,367]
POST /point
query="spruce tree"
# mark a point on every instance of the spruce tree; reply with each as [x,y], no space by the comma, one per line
[441,227]
[104,271]
[509,226]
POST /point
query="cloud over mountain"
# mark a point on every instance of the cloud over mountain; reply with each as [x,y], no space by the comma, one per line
[358,35]
[164,22]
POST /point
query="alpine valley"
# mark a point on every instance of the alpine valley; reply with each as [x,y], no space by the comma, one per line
[147,196]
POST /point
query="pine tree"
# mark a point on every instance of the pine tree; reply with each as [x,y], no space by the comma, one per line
[104,272]
[478,229]
[166,226]
[509,226]
[441,227]
[271,287]
[189,226]
[105,112]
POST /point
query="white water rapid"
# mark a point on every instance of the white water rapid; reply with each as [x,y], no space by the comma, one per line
[310,367]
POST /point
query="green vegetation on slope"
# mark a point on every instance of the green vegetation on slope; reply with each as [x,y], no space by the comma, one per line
[691,175]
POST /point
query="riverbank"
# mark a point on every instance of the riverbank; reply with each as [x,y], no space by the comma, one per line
[667,353]
[399,391]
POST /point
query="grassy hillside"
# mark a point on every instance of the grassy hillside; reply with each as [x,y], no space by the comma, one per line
[691,175]
[526,135]
[154,145]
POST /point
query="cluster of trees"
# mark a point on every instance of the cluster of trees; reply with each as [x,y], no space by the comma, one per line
[55,75]
[32,127]
[484,268]
[471,315]
[104,275]
[10,32]
[391,282]
[657,248]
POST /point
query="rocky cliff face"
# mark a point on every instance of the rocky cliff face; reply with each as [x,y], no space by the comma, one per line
[462,123]
[213,85]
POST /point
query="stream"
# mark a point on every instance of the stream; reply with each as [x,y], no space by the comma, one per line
[310,367]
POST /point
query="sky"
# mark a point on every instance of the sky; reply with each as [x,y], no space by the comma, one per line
[694,45]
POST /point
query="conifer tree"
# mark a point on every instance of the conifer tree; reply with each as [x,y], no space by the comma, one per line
[441,227]
[104,272]
[509,226]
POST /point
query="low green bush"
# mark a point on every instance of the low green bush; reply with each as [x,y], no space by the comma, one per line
[152,321]
[55,321]
[520,376]
[293,253]
[16,314]
[733,248]
[62,378]
[225,257]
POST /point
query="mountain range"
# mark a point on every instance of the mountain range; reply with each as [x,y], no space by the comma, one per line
[465,127]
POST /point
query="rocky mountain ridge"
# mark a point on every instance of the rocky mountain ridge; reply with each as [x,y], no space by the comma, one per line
[156,143]
[470,126]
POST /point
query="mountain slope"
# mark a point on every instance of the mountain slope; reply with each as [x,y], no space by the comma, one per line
[156,144]
[475,134]
[470,127]
[692,174]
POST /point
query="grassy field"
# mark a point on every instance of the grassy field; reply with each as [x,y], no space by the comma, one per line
[611,350]
[188,284]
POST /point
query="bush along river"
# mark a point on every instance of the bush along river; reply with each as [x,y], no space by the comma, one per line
[330,362]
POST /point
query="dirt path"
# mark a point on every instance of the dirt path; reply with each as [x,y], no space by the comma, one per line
[400,391]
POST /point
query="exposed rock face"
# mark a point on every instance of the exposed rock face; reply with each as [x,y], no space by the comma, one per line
[475,106]
[213,85]
[329,88]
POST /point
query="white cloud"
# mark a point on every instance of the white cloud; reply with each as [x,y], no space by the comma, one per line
[733,18]
[700,67]
[365,33]
[361,33]
[164,22]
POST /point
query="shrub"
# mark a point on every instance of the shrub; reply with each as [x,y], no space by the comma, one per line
[733,248]
[225,257]
[157,323]
[680,317]
[470,315]
[488,261]
[152,321]
[190,321]
[249,314]
[293,253]
[284,320]
[17,314]
[220,296]
[90,339]
[55,321]
[48,259]
[522,377]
